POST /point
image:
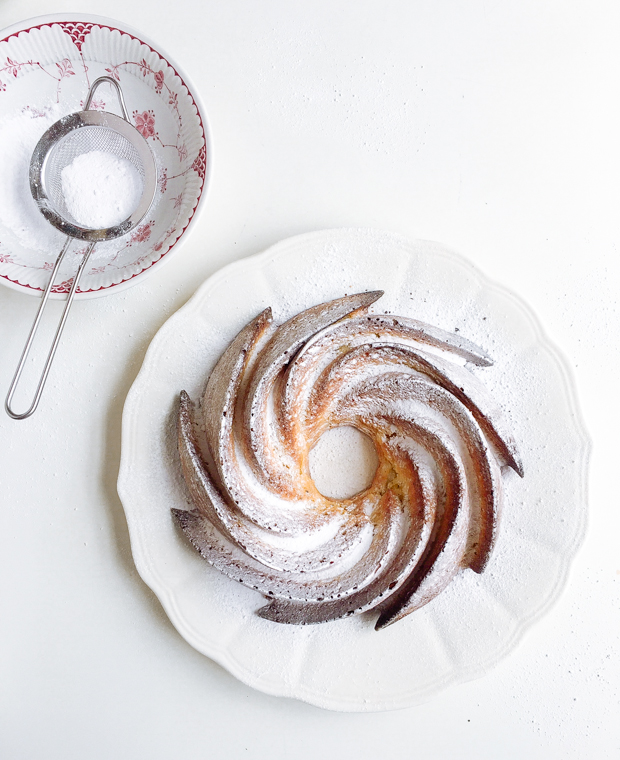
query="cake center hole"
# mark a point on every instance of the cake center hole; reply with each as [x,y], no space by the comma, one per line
[343,462]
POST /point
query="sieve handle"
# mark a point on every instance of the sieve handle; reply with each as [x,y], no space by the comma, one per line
[33,331]
[116,86]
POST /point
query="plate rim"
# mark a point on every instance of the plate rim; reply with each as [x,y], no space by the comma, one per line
[224,657]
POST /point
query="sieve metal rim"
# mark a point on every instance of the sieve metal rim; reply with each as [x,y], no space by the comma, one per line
[59,130]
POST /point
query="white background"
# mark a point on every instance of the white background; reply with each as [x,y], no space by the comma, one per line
[492,127]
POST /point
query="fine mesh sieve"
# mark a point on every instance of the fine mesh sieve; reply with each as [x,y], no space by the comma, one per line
[80,133]
[74,144]
[73,135]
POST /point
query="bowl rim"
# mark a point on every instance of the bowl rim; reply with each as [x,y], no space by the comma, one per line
[49,19]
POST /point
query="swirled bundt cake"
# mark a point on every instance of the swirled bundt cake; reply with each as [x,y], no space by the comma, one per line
[434,504]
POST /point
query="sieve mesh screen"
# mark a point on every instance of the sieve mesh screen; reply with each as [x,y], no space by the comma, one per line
[75,143]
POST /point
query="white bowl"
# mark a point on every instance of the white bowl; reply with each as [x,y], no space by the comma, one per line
[46,67]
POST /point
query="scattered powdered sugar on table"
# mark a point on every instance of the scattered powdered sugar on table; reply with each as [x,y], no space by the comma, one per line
[100,189]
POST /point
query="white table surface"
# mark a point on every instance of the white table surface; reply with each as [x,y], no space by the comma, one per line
[491,127]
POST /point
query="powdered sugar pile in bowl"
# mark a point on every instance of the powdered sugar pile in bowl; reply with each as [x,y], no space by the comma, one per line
[47,65]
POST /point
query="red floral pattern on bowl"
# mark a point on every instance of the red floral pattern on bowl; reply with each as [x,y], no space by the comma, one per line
[145,123]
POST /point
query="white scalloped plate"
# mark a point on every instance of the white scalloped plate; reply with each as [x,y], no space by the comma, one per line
[478,620]
[47,65]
